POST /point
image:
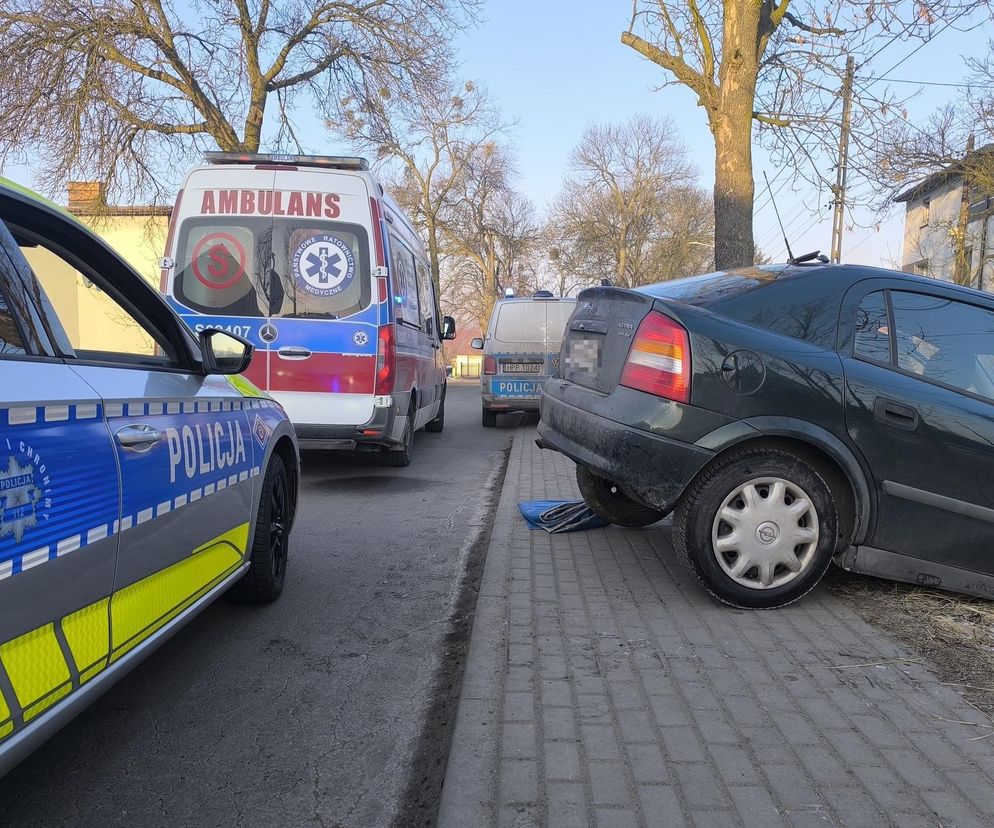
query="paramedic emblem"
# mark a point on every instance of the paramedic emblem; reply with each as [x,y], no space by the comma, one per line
[22,495]
[324,265]
[360,338]
[261,430]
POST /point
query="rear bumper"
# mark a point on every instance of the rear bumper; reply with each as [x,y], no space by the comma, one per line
[495,402]
[384,429]
[653,469]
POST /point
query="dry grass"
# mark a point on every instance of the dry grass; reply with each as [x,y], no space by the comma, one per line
[954,633]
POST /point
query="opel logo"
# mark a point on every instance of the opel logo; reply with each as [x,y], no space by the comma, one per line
[767,533]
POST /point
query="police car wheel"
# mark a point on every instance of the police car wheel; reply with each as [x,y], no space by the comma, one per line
[402,457]
[489,419]
[606,500]
[436,425]
[263,582]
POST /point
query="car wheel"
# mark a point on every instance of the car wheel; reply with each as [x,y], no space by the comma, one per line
[263,581]
[402,457]
[758,528]
[608,501]
[489,418]
[436,425]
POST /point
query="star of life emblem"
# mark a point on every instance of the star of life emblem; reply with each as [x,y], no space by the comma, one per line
[20,497]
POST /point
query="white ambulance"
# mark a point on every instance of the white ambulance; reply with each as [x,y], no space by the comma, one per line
[311,260]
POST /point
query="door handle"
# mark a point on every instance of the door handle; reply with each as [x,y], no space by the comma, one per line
[293,353]
[895,414]
[138,437]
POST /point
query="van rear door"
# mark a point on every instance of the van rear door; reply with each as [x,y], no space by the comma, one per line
[327,321]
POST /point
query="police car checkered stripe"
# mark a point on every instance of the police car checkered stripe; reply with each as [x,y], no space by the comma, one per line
[32,415]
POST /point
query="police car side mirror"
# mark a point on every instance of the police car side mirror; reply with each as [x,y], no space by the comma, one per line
[448,327]
[223,352]
[477,343]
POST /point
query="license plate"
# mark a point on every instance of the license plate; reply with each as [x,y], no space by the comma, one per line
[522,367]
[584,355]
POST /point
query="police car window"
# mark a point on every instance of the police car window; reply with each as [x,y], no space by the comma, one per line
[280,268]
[557,314]
[11,342]
[97,326]
[405,285]
[872,339]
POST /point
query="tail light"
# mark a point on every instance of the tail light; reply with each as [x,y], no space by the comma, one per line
[489,365]
[378,231]
[386,361]
[659,360]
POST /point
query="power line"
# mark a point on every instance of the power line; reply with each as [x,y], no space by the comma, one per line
[921,83]
[914,51]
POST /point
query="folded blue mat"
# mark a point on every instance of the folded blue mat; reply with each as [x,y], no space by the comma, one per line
[556,516]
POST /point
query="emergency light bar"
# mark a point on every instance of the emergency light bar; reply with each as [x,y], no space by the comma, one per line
[332,162]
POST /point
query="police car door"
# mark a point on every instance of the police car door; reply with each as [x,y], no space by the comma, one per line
[181,439]
[58,511]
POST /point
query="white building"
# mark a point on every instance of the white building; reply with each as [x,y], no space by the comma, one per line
[931,227]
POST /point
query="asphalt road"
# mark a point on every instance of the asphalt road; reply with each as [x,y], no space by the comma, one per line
[316,709]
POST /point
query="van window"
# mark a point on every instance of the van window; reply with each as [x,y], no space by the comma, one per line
[426,297]
[405,284]
[539,322]
[281,268]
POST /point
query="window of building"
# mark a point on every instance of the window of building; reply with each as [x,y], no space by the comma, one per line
[926,211]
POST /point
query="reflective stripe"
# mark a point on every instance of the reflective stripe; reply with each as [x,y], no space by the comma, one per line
[87,632]
[36,668]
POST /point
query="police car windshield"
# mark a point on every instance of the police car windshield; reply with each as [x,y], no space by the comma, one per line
[538,322]
[253,267]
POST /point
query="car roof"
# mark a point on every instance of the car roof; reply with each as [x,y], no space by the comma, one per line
[21,193]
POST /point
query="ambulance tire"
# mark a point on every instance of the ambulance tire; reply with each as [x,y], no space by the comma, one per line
[436,425]
[263,582]
[402,457]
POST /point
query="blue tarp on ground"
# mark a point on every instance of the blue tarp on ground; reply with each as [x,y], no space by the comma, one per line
[556,516]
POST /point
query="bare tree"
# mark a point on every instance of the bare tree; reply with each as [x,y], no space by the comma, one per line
[491,237]
[127,91]
[436,136]
[781,63]
[628,209]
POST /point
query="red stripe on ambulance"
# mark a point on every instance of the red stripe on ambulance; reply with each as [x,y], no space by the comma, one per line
[335,373]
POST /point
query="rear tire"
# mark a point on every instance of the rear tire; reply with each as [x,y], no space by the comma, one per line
[607,500]
[263,582]
[398,458]
[436,425]
[758,528]
[489,419]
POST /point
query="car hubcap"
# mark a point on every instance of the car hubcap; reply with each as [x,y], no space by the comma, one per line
[765,533]
[277,526]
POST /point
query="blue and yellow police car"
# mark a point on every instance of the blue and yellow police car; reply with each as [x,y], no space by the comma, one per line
[140,476]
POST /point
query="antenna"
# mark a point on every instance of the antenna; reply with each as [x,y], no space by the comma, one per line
[779,221]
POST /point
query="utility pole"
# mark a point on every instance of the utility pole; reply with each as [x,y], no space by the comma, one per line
[838,220]
[961,274]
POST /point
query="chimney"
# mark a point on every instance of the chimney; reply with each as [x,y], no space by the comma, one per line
[87,196]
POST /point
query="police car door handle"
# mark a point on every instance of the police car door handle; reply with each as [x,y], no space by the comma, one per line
[138,437]
[293,353]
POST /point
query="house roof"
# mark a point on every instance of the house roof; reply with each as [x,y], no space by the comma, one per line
[940,177]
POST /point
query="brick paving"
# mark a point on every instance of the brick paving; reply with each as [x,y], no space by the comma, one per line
[603,687]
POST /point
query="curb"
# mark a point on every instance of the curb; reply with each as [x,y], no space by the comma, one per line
[469,793]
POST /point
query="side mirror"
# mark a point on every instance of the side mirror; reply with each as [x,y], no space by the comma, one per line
[448,327]
[477,343]
[223,352]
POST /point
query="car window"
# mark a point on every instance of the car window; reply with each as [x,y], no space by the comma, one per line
[11,341]
[538,322]
[945,341]
[405,284]
[97,326]
[872,331]
[424,289]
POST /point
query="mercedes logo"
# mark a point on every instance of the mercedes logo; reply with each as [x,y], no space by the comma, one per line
[268,332]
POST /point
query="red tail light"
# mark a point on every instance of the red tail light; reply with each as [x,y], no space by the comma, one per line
[489,365]
[659,361]
[374,207]
[386,361]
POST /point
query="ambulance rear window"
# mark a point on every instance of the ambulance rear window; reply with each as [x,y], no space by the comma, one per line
[287,267]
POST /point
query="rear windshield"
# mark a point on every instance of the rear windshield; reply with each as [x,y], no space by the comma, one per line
[281,268]
[537,322]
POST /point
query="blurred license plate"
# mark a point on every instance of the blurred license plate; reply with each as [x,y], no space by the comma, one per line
[584,354]
[522,367]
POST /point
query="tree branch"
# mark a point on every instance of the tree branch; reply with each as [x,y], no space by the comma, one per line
[683,72]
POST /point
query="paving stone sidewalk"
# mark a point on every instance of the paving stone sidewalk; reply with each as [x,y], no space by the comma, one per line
[603,687]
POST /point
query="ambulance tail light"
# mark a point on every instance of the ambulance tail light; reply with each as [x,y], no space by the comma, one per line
[386,361]
[489,365]
[659,360]
[170,234]
[378,231]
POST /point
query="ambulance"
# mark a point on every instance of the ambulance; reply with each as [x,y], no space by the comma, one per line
[310,260]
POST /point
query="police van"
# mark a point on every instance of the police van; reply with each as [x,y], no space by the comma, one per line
[521,351]
[311,260]
[140,477]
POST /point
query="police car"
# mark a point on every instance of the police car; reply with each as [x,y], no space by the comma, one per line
[140,476]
